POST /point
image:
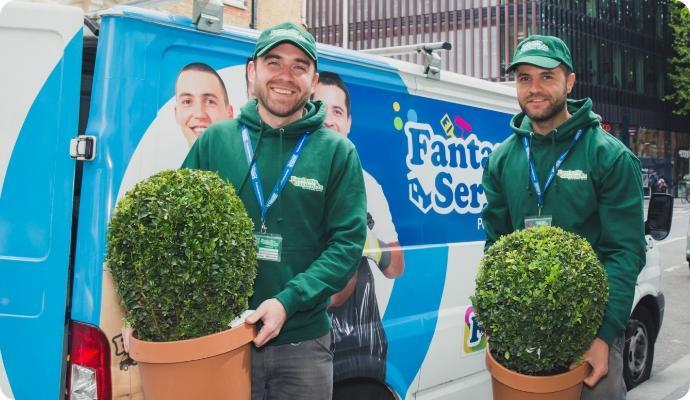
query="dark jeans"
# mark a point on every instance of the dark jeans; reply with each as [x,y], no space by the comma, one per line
[294,371]
[612,386]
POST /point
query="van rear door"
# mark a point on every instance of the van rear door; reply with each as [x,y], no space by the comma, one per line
[41,48]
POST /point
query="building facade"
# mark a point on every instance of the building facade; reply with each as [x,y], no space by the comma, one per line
[620,52]
[256,14]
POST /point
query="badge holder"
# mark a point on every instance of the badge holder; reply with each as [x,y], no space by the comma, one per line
[537,220]
[269,247]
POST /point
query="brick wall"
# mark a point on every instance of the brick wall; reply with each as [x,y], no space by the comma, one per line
[235,12]
[271,12]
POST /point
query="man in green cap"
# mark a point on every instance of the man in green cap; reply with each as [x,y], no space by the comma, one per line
[302,185]
[561,168]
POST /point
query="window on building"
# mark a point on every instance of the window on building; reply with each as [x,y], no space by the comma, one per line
[628,63]
[593,60]
[638,14]
[628,15]
[661,79]
[650,77]
[605,10]
[617,68]
[660,21]
[605,65]
[613,10]
[649,10]
[647,144]
[639,72]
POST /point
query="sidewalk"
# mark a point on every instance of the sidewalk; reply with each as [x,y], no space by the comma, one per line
[673,383]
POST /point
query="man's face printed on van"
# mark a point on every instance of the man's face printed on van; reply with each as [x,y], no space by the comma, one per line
[338,117]
[199,101]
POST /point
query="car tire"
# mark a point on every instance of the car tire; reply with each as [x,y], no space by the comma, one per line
[361,390]
[638,354]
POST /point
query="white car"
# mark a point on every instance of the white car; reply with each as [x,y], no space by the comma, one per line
[687,246]
[648,310]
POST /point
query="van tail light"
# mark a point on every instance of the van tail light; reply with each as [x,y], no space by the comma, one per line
[89,364]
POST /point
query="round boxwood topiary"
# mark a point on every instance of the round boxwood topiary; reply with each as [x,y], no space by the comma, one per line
[182,254]
[540,298]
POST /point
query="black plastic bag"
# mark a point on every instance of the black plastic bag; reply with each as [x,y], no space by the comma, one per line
[360,341]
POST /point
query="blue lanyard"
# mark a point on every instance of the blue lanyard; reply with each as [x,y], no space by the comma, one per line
[552,174]
[280,184]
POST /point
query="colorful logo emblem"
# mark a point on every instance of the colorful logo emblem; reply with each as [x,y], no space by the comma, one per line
[474,339]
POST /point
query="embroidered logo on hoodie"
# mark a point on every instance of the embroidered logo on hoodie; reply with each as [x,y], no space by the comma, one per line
[306,183]
[574,175]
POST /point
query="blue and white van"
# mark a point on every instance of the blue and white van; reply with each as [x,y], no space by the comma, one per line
[84,115]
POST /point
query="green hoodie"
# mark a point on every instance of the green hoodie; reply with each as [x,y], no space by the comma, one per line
[597,194]
[320,214]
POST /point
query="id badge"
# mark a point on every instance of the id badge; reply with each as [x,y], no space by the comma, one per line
[268,246]
[537,220]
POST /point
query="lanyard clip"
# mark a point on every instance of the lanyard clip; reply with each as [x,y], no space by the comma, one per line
[263,228]
[540,208]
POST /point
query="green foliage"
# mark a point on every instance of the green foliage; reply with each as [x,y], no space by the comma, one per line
[540,298]
[182,254]
[679,22]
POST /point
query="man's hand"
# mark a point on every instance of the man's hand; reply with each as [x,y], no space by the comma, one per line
[272,314]
[598,357]
[341,297]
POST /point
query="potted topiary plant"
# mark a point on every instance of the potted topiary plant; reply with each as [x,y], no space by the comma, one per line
[182,255]
[540,298]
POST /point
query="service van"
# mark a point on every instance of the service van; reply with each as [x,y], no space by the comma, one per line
[88,110]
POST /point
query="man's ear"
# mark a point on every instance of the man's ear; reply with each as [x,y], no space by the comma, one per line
[314,82]
[231,112]
[570,82]
[251,69]
[349,123]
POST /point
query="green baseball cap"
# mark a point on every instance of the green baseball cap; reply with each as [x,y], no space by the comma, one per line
[287,32]
[542,51]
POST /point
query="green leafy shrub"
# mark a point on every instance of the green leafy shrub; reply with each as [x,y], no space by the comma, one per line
[540,298]
[182,254]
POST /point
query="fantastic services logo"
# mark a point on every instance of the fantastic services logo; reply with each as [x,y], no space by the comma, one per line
[445,173]
[445,169]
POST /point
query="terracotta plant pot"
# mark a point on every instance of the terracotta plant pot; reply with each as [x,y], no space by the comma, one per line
[510,385]
[216,366]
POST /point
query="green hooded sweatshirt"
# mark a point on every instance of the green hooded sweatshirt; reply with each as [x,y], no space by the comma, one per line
[597,193]
[320,214]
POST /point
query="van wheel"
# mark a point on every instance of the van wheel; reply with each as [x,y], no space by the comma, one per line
[361,390]
[638,354]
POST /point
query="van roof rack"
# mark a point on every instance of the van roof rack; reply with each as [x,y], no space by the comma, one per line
[207,15]
[432,61]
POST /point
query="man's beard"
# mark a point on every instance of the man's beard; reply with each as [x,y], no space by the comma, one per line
[277,109]
[547,114]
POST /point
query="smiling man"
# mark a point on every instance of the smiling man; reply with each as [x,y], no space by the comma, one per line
[561,168]
[302,185]
[200,100]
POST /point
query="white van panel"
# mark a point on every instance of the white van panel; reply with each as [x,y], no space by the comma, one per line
[42,37]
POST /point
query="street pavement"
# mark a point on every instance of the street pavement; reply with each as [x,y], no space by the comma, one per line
[672,383]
